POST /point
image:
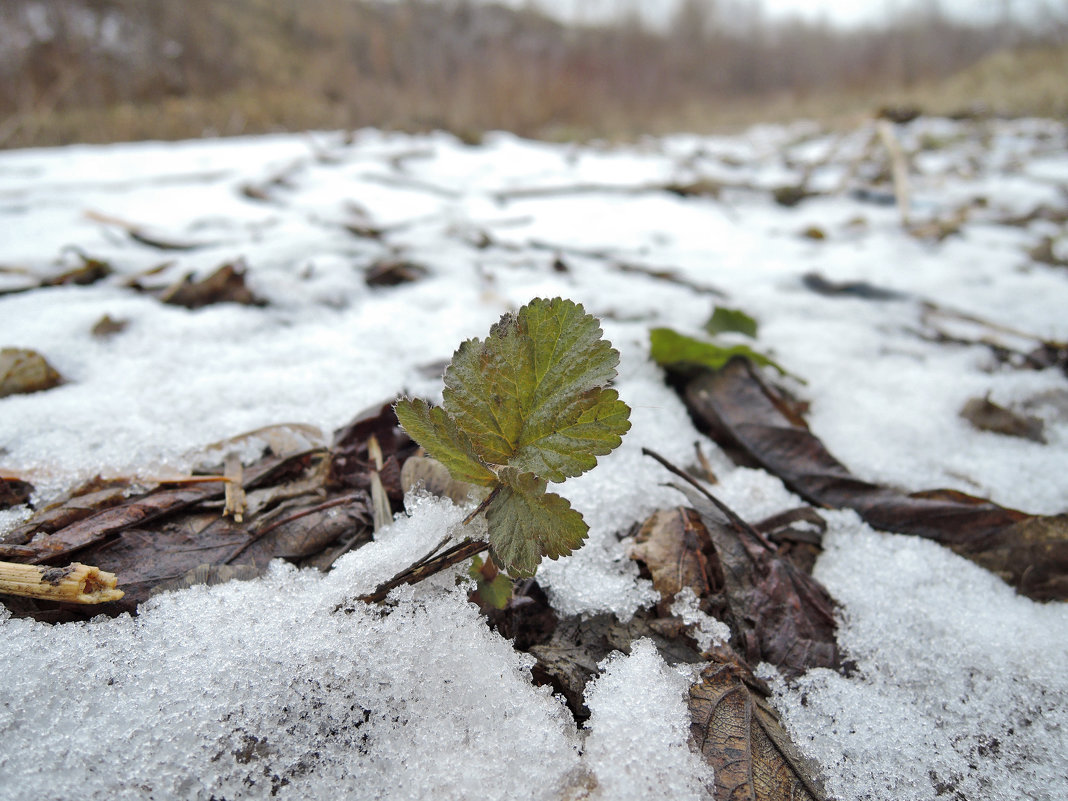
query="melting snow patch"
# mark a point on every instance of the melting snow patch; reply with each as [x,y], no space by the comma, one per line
[639,727]
[955,673]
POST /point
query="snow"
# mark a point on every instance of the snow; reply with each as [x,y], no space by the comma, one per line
[639,725]
[251,688]
[986,719]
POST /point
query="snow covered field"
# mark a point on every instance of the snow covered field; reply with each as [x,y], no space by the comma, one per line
[960,683]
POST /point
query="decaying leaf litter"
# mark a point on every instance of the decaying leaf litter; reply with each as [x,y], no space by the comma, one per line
[904,329]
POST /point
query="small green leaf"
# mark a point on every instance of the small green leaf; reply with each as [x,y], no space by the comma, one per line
[531,394]
[432,428]
[526,523]
[736,320]
[669,348]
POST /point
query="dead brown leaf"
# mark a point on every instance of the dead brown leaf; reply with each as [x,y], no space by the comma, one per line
[107,326]
[740,736]
[676,549]
[1028,552]
[394,271]
[986,415]
[23,371]
[776,612]
[225,285]
[350,458]
[14,492]
[308,505]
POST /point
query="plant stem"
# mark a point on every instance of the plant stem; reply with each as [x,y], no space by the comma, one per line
[482,506]
[427,568]
[431,563]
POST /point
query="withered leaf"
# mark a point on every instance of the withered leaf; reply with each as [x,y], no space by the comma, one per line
[297,531]
[393,271]
[90,271]
[1044,254]
[143,558]
[569,660]
[143,235]
[797,535]
[790,196]
[853,289]
[132,513]
[778,614]
[107,326]
[350,457]
[14,492]
[986,415]
[23,371]
[82,502]
[225,285]
[676,549]
[295,510]
[209,575]
[1028,552]
[741,737]
[434,477]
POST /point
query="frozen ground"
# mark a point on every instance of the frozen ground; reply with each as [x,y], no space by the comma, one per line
[255,688]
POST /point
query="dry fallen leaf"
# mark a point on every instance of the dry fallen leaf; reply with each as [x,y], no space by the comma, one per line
[14,492]
[23,371]
[225,285]
[676,549]
[740,736]
[986,415]
[1029,552]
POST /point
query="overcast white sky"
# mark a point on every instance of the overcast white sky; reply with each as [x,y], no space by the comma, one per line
[844,12]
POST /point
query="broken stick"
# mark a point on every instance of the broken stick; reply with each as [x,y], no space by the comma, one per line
[75,583]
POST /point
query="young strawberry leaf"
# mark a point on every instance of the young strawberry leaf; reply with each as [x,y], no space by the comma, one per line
[495,589]
[438,433]
[525,406]
[531,394]
[527,523]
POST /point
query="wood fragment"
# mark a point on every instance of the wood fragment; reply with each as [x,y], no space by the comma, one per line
[899,168]
[75,583]
[234,502]
[380,508]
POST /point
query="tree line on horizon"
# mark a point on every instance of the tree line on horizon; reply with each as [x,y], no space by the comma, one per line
[98,70]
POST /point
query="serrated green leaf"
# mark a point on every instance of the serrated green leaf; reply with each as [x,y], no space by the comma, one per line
[531,394]
[526,523]
[736,320]
[669,348]
[569,444]
[438,433]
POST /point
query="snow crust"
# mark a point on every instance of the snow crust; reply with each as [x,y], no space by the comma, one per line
[195,700]
[966,677]
[256,688]
[639,725]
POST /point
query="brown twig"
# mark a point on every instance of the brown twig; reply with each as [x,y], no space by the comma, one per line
[416,573]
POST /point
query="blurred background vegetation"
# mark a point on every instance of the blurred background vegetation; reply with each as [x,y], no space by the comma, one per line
[113,70]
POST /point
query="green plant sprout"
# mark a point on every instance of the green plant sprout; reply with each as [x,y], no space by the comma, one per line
[528,405]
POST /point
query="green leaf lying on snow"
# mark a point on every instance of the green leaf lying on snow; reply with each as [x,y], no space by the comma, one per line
[669,348]
[731,320]
[527,405]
